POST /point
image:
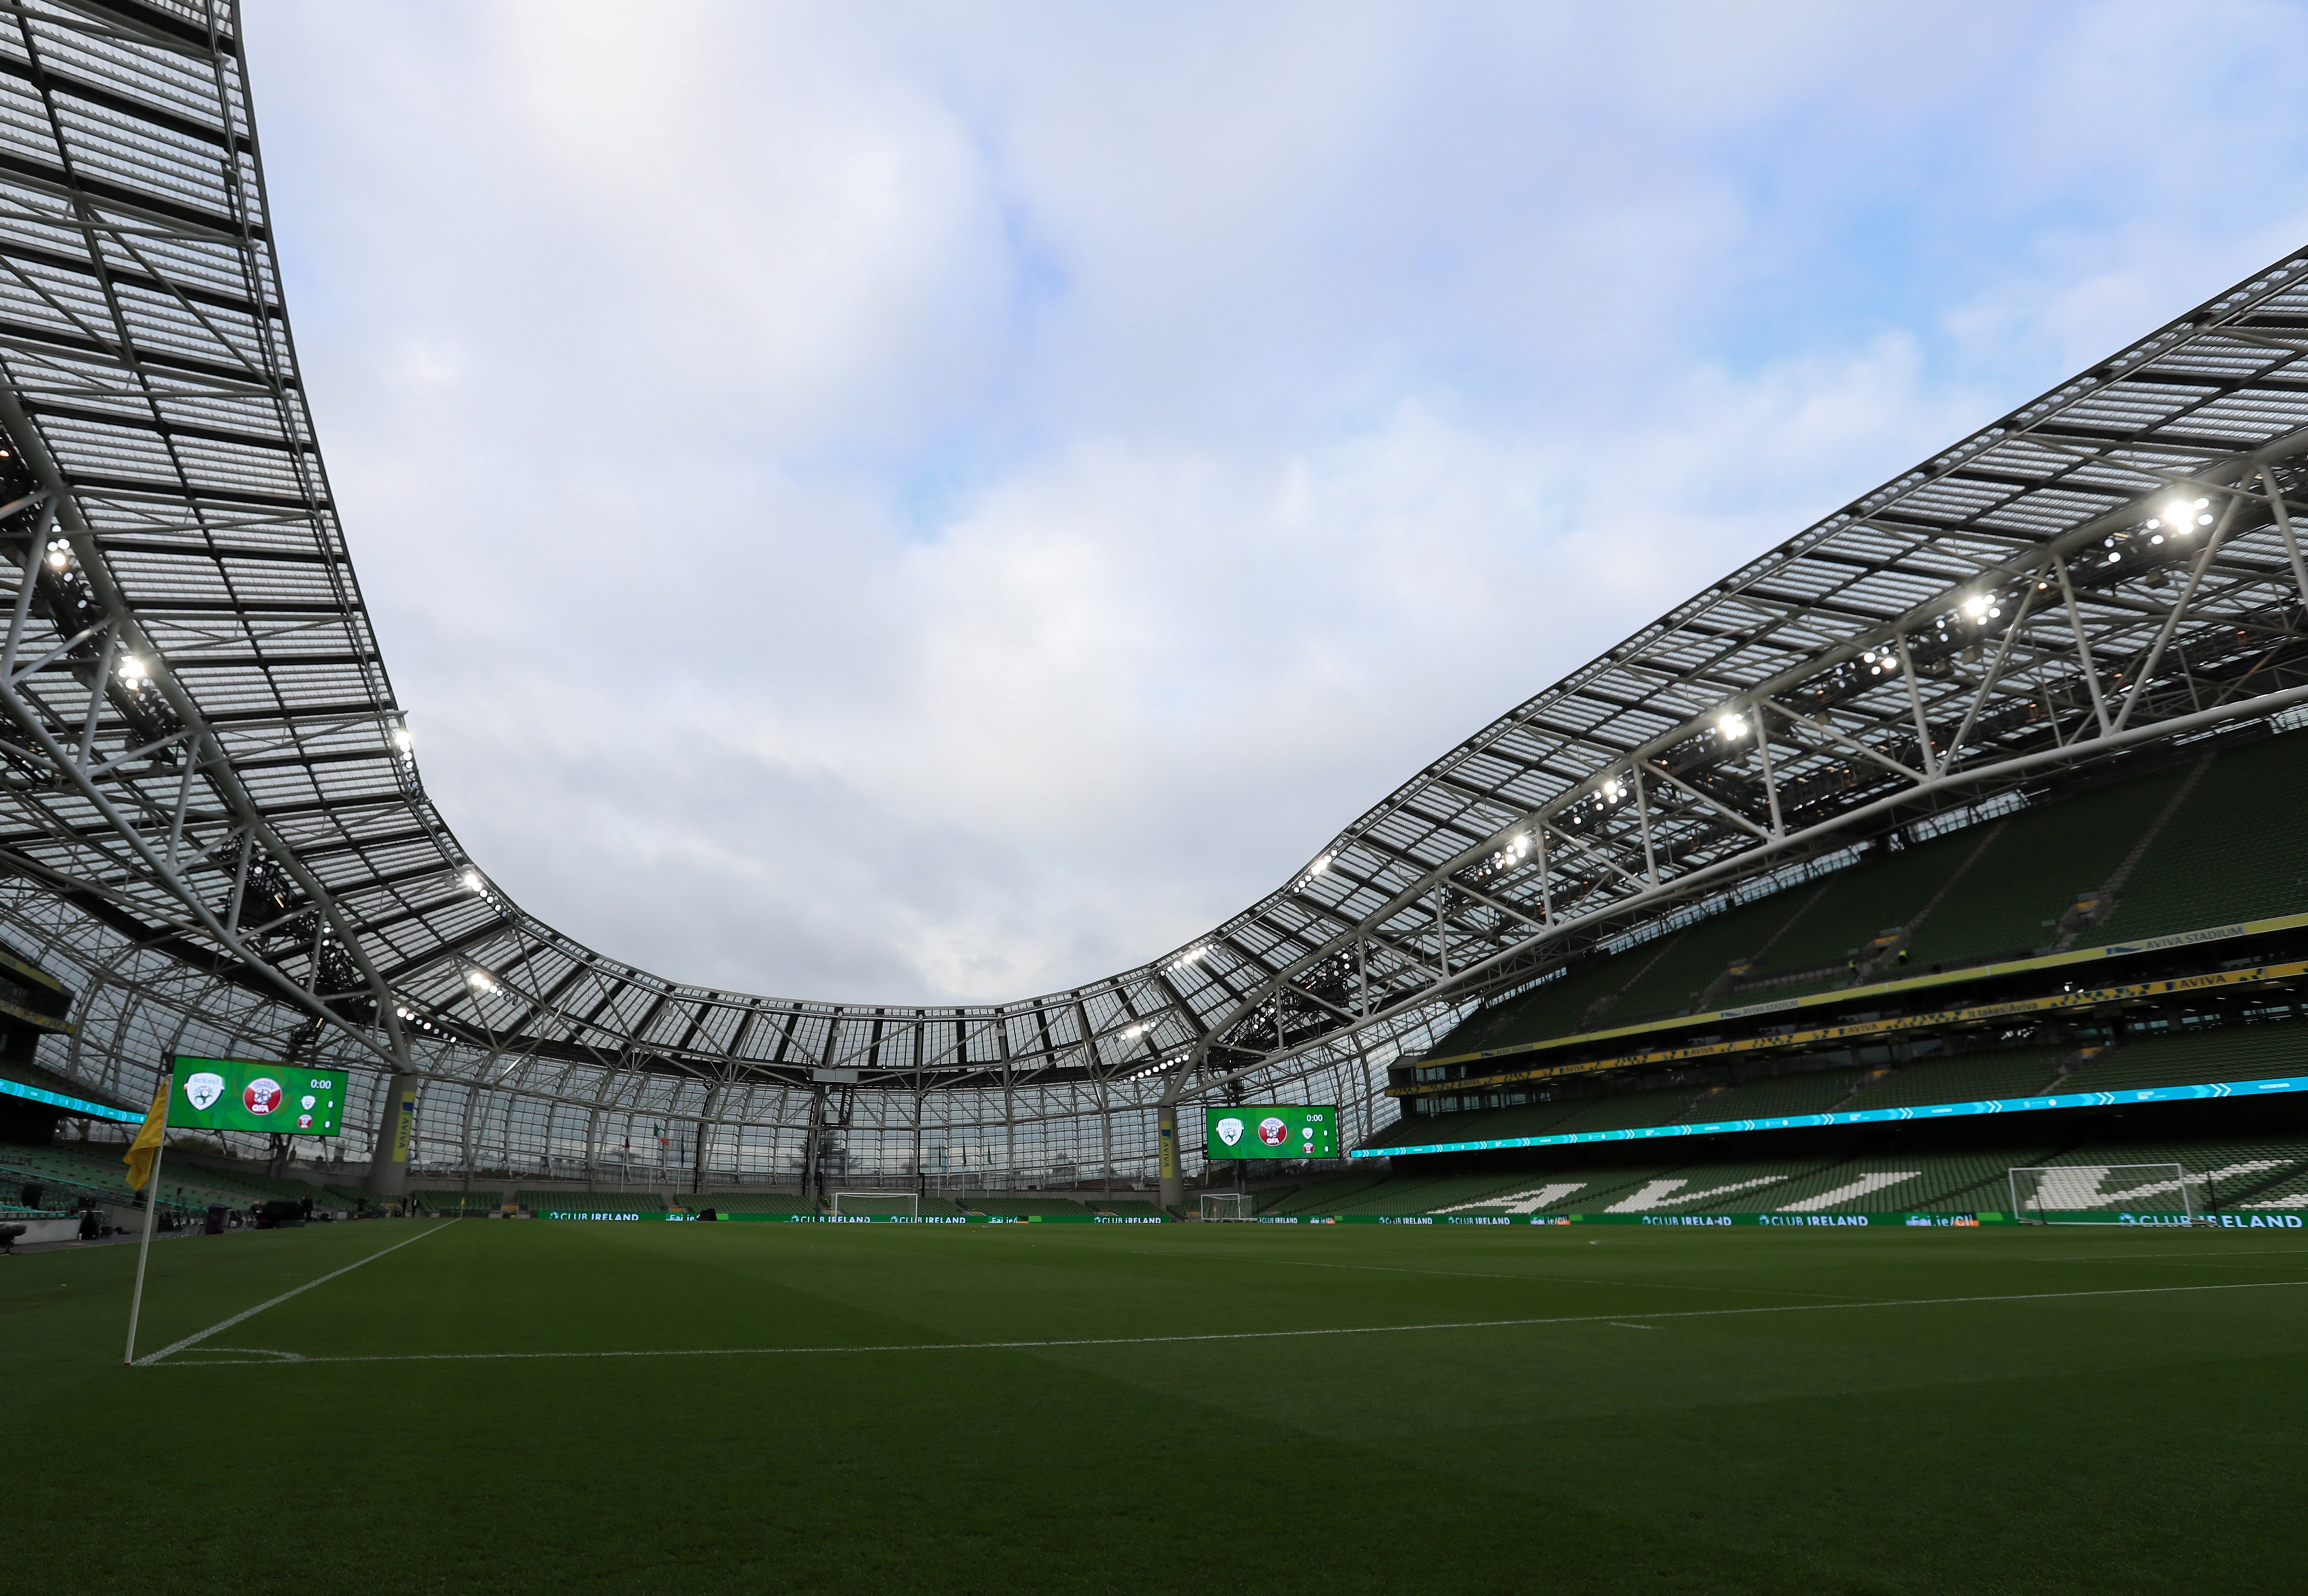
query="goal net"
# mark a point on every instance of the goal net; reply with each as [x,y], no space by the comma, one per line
[2107,1194]
[877,1205]
[1225,1204]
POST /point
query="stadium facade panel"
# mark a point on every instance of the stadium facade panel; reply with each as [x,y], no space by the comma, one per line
[219,838]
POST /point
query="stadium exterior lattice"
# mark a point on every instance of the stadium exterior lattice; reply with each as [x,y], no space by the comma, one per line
[218,840]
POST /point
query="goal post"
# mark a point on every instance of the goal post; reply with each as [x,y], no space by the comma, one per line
[2108,1194]
[877,1205]
[1225,1204]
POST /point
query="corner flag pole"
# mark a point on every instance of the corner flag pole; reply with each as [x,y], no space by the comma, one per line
[151,1203]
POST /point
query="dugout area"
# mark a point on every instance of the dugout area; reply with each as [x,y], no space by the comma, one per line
[645,1408]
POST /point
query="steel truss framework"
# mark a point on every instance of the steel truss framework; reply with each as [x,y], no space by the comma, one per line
[212,817]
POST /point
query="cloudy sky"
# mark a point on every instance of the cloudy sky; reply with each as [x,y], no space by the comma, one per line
[907,503]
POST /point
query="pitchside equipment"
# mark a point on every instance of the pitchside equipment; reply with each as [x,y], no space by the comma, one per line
[1225,1204]
[2107,1194]
[877,1205]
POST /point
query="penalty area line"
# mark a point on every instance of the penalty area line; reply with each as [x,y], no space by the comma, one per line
[194,1340]
[1618,1320]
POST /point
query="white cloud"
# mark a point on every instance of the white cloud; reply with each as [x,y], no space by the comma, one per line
[933,502]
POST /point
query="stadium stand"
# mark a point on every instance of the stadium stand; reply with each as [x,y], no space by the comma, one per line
[538,1200]
[2216,1053]
[945,1206]
[1680,968]
[1314,1196]
[2148,854]
[252,1186]
[2236,1169]
[2195,875]
[1626,1111]
[2282,1192]
[1016,1207]
[69,1180]
[1851,908]
[1771,1096]
[2243,1172]
[2041,862]
[1965,1077]
[459,1202]
[758,1202]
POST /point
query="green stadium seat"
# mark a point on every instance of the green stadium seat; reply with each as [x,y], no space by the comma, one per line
[1967,1078]
[757,1202]
[1009,1206]
[2225,1053]
[457,1201]
[2195,875]
[1993,892]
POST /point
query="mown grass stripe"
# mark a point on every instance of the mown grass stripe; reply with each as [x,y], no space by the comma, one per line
[1132,1341]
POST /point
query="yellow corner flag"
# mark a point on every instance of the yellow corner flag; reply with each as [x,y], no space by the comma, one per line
[147,1145]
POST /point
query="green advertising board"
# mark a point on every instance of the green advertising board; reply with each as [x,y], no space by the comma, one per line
[250,1095]
[1271,1130]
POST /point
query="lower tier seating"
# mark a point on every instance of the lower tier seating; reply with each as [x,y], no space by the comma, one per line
[1021,1207]
[756,1202]
[541,1199]
[458,1201]
[2240,1174]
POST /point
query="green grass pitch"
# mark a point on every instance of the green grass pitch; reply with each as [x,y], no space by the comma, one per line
[817,1408]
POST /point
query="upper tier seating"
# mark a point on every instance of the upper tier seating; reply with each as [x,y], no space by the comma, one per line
[2195,875]
[2009,903]
[1987,892]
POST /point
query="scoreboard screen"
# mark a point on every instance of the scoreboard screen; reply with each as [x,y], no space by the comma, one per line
[1272,1130]
[249,1094]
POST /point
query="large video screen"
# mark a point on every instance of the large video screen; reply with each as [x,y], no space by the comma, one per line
[1272,1130]
[249,1094]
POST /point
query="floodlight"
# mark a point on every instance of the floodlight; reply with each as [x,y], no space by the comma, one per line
[132,669]
[1975,607]
[473,882]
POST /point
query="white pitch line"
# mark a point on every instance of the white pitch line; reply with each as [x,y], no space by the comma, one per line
[195,1340]
[1140,1340]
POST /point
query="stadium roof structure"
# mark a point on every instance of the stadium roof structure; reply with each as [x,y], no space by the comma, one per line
[212,813]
